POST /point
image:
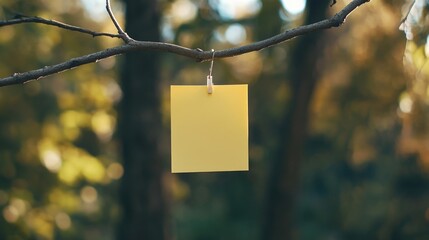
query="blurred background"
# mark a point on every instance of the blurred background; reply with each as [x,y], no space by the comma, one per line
[339,137]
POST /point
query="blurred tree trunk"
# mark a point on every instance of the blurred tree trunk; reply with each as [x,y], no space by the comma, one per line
[284,178]
[142,196]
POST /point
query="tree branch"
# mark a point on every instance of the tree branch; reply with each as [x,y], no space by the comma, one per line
[121,32]
[405,17]
[25,19]
[133,45]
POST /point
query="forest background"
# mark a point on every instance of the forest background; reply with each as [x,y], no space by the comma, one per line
[339,144]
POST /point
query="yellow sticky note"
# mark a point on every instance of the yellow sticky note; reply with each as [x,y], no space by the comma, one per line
[209,132]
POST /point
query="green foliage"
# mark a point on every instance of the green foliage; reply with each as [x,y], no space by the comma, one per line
[353,181]
[364,178]
[57,158]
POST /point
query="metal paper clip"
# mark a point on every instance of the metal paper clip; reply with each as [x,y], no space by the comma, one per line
[210,77]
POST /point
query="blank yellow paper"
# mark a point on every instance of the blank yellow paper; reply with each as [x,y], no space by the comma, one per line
[209,132]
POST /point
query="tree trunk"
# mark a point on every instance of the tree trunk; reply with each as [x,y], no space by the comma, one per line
[283,185]
[142,196]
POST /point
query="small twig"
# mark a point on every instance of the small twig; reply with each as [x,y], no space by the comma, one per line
[121,32]
[25,19]
[333,3]
[197,54]
[408,12]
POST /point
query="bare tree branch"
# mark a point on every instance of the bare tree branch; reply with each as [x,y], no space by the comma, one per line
[25,19]
[133,45]
[121,32]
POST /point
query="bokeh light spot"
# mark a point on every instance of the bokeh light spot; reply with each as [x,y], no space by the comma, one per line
[115,171]
[102,124]
[51,160]
[294,6]
[183,11]
[88,194]
[236,9]
[406,104]
[235,34]
[63,221]
[10,214]
[95,8]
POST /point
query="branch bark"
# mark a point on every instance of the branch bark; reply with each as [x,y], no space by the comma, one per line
[19,19]
[121,32]
[134,45]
